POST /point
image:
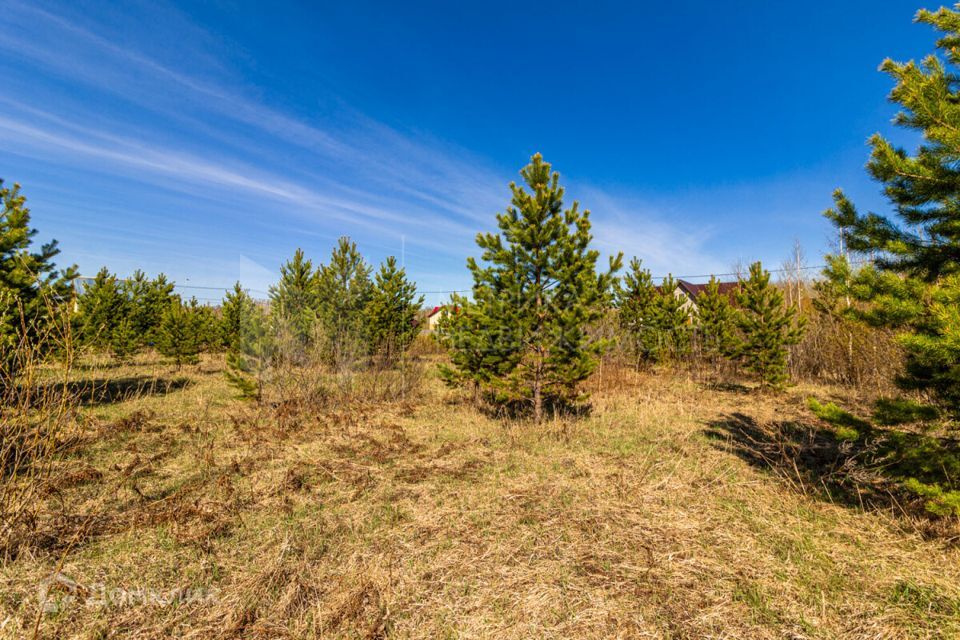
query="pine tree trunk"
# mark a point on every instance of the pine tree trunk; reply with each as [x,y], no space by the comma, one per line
[538,371]
[537,398]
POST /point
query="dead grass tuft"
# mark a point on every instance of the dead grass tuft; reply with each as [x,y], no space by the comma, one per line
[357,607]
[139,421]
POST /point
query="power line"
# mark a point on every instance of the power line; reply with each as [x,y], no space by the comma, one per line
[783,270]
[439,291]
[188,286]
[702,275]
[735,273]
[197,286]
[448,291]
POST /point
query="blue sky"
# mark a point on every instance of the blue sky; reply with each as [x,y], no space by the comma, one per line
[209,140]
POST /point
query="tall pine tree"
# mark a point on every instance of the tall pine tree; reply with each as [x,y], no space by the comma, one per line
[294,299]
[534,296]
[461,331]
[150,300]
[134,289]
[767,328]
[391,313]
[715,324]
[252,351]
[653,320]
[31,287]
[672,322]
[913,284]
[124,339]
[235,307]
[637,303]
[208,326]
[180,334]
[343,293]
[100,310]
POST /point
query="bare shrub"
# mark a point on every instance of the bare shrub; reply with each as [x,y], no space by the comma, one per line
[840,351]
[306,389]
[425,345]
[402,382]
[37,425]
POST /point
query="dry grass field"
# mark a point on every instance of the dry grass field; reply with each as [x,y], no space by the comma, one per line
[678,509]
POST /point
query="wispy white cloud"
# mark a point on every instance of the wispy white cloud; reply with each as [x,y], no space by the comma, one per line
[122,152]
[442,176]
[211,136]
[627,223]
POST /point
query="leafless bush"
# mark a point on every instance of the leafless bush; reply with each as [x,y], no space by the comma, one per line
[401,382]
[37,424]
[425,345]
[305,387]
[840,351]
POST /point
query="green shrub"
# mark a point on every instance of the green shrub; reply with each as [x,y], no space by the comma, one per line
[894,411]
[847,426]
[925,466]
[938,502]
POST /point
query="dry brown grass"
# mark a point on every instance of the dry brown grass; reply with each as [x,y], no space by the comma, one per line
[426,519]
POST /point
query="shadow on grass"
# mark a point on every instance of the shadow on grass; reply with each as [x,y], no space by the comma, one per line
[728,387]
[812,460]
[522,410]
[98,391]
[140,360]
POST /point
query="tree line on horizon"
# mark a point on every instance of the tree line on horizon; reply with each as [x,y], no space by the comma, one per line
[341,309]
[524,340]
[342,312]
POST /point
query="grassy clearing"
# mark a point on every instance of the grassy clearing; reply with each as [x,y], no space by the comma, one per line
[676,510]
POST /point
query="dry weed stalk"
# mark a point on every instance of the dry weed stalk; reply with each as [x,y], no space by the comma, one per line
[37,424]
[839,351]
[307,391]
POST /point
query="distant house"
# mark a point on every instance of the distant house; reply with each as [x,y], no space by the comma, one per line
[80,286]
[82,283]
[434,316]
[690,292]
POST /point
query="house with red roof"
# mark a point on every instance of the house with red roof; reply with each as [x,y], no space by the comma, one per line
[434,316]
[690,292]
